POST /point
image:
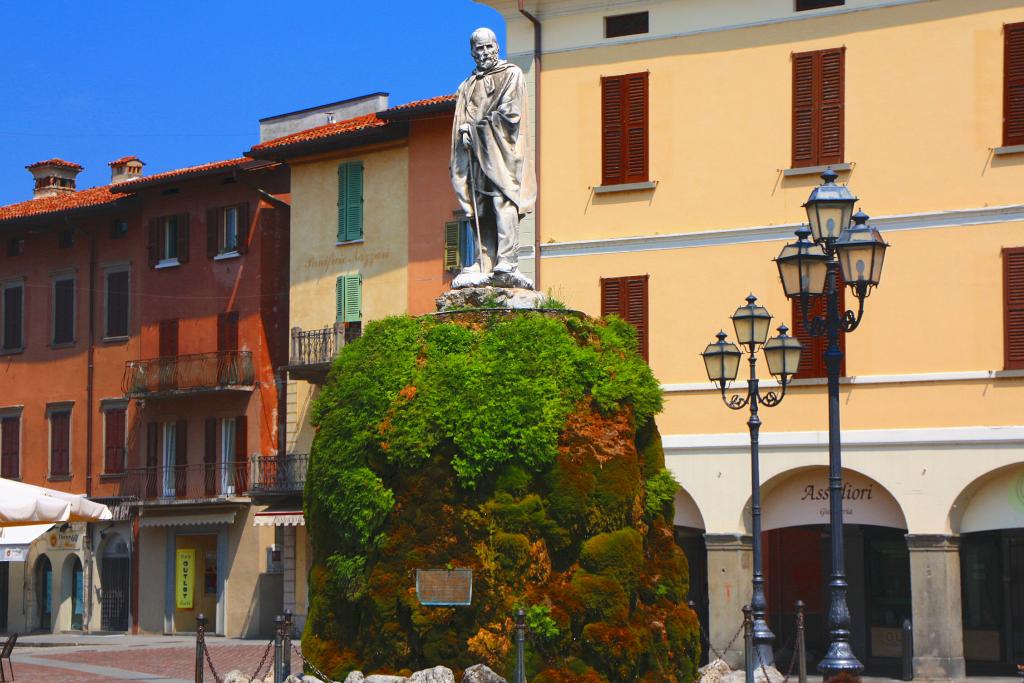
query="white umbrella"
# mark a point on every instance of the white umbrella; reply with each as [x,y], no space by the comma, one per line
[22,504]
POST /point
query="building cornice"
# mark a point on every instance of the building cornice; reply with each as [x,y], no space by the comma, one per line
[768,233]
[908,378]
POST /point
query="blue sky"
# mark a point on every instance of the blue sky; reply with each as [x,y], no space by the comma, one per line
[183,82]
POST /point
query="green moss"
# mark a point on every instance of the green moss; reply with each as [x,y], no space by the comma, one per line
[661,492]
[618,555]
[519,446]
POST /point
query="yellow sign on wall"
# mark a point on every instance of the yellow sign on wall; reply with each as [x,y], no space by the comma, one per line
[185,579]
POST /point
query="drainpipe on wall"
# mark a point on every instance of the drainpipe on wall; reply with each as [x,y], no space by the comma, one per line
[536,144]
[90,357]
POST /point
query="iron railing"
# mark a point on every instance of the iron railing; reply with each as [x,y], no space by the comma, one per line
[187,482]
[279,473]
[314,347]
[189,373]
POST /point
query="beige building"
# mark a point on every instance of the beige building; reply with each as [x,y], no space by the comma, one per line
[678,141]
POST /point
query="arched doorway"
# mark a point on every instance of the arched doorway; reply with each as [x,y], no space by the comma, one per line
[114,584]
[990,518]
[688,526]
[44,592]
[72,594]
[797,563]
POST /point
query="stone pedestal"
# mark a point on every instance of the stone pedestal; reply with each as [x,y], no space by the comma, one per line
[490,297]
[730,563]
[937,616]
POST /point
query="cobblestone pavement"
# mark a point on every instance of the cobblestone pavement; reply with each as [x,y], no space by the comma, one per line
[152,663]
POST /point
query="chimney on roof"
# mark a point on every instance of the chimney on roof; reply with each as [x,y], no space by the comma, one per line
[54,177]
[125,168]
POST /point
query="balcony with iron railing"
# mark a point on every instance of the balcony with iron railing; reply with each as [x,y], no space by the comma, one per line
[313,351]
[188,374]
[276,475]
[185,483]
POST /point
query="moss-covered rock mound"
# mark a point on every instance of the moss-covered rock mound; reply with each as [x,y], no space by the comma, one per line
[523,447]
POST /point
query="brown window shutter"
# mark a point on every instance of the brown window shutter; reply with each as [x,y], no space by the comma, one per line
[830,107]
[227,331]
[1013,302]
[183,238]
[154,242]
[169,337]
[613,169]
[803,110]
[114,429]
[243,227]
[60,441]
[181,458]
[635,96]
[1013,84]
[241,454]
[812,359]
[626,297]
[117,304]
[212,231]
[10,447]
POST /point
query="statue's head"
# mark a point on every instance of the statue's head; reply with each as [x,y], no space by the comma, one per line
[483,44]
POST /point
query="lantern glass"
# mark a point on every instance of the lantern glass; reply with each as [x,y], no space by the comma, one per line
[722,360]
[803,267]
[861,252]
[751,322]
[829,208]
[783,354]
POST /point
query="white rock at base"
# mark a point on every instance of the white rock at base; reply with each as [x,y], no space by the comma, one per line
[480,673]
[439,674]
[385,678]
[355,677]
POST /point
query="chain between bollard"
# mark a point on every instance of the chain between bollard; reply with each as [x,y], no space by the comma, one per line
[209,660]
[320,674]
[707,637]
[263,661]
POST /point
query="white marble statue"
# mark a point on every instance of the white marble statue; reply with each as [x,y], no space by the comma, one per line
[492,164]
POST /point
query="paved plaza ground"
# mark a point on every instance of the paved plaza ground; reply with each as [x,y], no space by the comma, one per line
[78,658]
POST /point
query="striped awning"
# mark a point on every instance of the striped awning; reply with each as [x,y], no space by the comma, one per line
[279,517]
[195,519]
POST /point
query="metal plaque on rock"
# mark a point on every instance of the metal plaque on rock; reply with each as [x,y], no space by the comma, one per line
[444,586]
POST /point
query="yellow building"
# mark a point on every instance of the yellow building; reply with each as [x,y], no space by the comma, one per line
[678,141]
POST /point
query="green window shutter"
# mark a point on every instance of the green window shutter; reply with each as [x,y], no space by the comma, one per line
[349,298]
[350,201]
[451,245]
[342,214]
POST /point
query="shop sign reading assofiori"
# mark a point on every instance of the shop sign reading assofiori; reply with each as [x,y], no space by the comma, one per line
[803,499]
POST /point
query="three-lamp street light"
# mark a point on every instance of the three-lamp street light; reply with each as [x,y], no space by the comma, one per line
[810,268]
[722,361]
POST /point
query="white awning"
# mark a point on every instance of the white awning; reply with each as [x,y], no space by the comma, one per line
[194,519]
[25,504]
[15,541]
[279,518]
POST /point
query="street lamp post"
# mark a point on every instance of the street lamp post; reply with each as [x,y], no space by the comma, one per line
[722,360]
[810,267]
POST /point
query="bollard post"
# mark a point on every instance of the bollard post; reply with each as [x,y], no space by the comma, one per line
[278,663]
[200,644]
[907,672]
[801,642]
[286,645]
[748,645]
[520,675]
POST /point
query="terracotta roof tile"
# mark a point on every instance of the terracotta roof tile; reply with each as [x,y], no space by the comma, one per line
[125,160]
[96,196]
[182,172]
[56,162]
[326,131]
[422,103]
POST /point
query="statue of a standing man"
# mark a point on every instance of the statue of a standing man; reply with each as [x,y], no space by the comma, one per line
[491,163]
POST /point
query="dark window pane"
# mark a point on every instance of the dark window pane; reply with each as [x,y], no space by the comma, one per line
[64,311]
[15,246]
[626,25]
[13,303]
[66,238]
[802,5]
[117,304]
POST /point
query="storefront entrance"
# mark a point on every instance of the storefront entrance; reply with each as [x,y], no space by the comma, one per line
[44,593]
[199,556]
[992,576]
[114,585]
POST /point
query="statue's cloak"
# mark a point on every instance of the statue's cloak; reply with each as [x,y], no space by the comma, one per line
[494,105]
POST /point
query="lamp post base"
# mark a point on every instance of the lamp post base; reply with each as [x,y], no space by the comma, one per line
[839,659]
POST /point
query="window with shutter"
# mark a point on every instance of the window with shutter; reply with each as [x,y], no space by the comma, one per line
[624,129]
[60,443]
[1013,84]
[452,242]
[13,317]
[812,358]
[350,201]
[626,297]
[10,447]
[818,107]
[349,298]
[114,422]
[1013,304]
[64,310]
[117,304]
